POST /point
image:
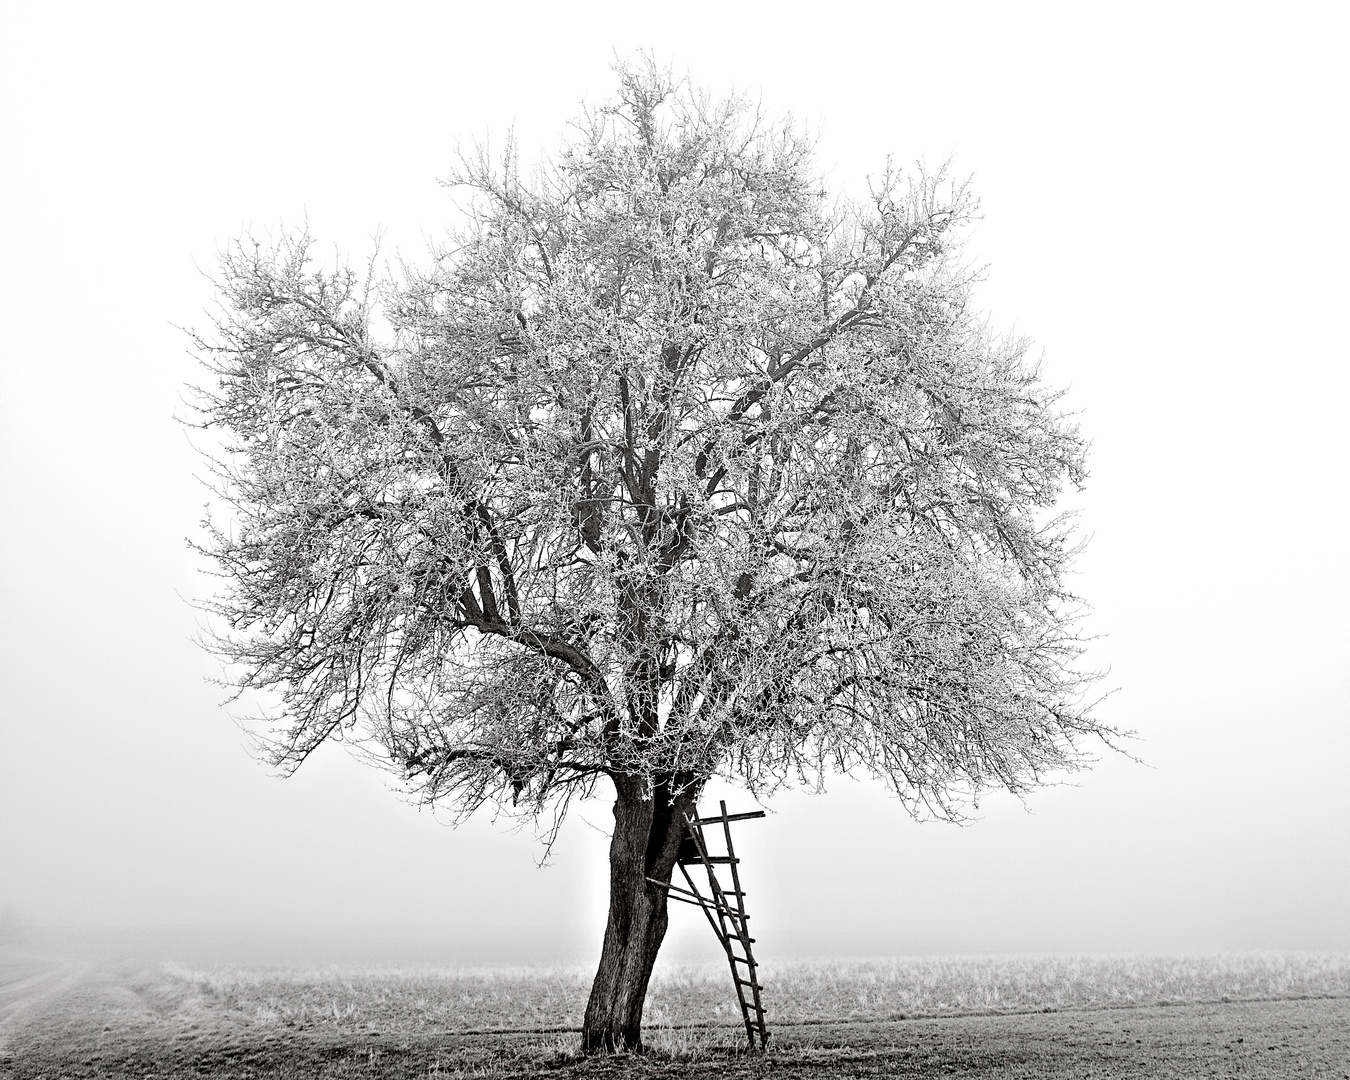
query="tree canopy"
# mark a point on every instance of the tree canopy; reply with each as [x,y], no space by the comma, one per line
[668,464]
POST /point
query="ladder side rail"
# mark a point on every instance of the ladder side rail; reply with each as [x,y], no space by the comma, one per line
[745,932]
[735,874]
[727,935]
[703,904]
[695,828]
[675,892]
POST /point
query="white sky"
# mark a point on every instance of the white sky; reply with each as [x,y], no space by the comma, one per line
[1165,213]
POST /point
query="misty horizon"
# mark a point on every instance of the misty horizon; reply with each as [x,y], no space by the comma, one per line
[1115,225]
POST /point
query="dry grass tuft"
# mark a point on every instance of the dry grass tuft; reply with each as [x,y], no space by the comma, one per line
[394,1000]
[808,991]
[691,1008]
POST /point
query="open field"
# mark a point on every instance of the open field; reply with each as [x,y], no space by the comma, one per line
[1269,1015]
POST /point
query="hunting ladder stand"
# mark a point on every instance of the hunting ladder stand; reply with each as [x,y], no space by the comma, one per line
[725,909]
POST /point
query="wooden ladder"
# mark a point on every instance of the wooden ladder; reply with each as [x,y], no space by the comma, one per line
[725,909]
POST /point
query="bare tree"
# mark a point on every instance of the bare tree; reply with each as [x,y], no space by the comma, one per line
[670,467]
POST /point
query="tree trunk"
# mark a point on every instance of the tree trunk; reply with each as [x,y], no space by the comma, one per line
[646,840]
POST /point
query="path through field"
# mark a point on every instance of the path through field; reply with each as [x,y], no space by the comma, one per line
[27,985]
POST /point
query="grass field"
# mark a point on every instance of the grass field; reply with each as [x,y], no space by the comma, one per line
[1275,1015]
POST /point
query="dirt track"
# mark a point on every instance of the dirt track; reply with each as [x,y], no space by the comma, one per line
[27,985]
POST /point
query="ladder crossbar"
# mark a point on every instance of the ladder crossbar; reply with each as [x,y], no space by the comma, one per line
[728,817]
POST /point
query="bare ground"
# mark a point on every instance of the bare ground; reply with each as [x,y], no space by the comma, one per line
[67,1022]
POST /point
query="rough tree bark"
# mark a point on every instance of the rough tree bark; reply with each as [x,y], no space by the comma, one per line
[648,827]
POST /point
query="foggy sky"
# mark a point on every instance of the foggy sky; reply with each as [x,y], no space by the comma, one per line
[1164,214]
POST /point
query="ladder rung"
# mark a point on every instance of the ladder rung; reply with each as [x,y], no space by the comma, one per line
[694,860]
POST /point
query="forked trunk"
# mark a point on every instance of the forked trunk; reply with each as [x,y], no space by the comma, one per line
[646,840]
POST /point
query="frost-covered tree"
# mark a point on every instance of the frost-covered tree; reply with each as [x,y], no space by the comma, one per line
[670,466]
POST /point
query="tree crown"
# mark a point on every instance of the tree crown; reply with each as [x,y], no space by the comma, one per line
[669,466]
